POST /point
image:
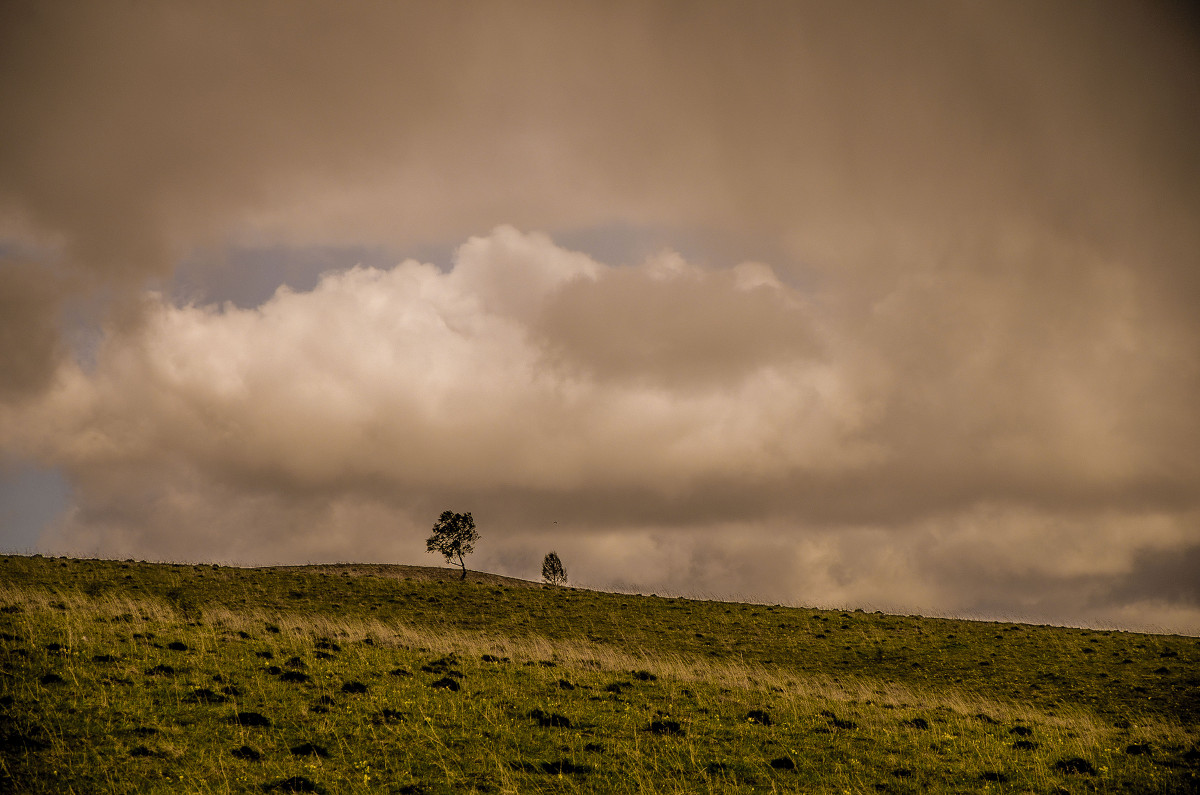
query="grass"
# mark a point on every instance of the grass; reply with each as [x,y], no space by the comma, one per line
[121,677]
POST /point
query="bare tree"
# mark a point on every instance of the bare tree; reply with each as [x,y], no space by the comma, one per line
[552,570]
[454,536]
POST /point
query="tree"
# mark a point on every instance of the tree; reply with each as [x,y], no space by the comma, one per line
[552,570]
[454,536]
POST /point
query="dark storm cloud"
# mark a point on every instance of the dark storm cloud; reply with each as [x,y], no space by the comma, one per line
[1166,576]
[976,314]
[132,130]
[29,341]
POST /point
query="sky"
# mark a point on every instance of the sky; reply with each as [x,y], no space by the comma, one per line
[857,305]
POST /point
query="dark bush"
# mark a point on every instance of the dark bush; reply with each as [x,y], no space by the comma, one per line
[250,719]
[246,753]
[202,695]
[293,784]
[665,727]
[837,722]
[1076,766]
[443,665]
[550,719]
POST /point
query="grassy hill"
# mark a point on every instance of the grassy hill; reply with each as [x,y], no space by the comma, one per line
[123,676]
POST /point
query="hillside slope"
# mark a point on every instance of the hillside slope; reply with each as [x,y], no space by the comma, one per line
[124,675]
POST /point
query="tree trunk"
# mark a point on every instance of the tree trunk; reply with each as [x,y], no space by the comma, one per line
[462,563]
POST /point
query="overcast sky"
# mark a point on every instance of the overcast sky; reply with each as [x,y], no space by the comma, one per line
[875,305]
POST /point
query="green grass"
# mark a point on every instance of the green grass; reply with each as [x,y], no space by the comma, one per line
[558,690]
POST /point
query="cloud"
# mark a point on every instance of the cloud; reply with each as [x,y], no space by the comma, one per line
[862,143]
[423,379]
[622,324]
[729,433]
[29,342]
[926,268]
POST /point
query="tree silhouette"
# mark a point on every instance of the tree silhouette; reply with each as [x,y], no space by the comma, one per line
[552,570]
[454,536]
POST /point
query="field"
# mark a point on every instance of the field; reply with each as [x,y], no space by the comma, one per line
[136,677]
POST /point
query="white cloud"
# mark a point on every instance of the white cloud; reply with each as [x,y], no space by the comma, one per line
[699,431]
[424,378]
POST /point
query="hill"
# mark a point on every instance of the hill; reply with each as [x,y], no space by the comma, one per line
[127,676]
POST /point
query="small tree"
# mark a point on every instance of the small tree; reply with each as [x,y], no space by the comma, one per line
[454,536]
[552,570]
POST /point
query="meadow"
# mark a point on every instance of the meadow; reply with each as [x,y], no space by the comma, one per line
[141,677]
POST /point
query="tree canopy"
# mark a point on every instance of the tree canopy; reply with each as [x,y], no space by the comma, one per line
[552,570]
[454,536]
